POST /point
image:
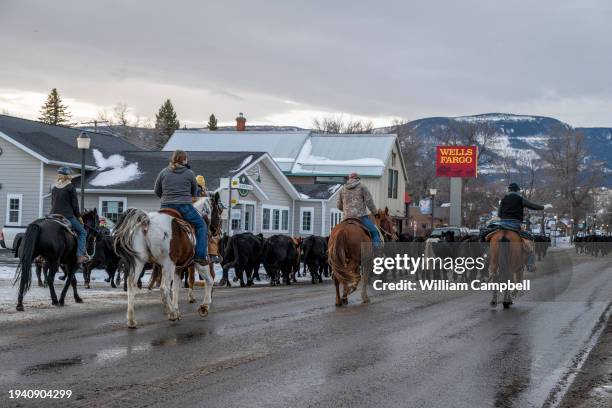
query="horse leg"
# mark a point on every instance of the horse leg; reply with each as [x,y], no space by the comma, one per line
[166,281]
[191,275]
[345,293]
[178,278]
[38,273]
[131,291]
[70,274]
[337,284]
[208,288]
[364,285]
[77,298]
[50,278]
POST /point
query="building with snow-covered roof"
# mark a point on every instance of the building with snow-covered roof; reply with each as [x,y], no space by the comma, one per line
[314,162]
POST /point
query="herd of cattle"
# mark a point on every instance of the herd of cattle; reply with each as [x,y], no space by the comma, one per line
[283,256]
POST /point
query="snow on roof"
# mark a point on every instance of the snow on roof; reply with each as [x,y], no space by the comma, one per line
[117,170]
[283,146]
[343,154]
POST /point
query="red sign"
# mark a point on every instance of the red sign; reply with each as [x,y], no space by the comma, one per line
[456,161]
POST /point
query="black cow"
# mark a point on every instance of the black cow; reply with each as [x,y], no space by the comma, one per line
[314,255]
[541,244]
[280,255]
[243,253]
[105,257]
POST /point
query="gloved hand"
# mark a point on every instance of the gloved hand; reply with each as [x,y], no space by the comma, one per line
[548,206]
[81,220]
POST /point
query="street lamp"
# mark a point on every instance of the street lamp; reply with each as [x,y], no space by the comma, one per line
[555,231]
[432,192]
[83,143]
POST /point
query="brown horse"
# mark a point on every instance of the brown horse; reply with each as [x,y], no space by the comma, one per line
[345,253]
[507,261]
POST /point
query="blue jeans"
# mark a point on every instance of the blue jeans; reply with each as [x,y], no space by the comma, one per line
[82,235]
[201,229]
[367,222]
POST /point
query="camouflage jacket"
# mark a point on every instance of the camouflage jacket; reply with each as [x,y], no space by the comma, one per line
[355,199]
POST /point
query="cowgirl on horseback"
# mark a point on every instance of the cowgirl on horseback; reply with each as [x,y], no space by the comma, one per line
[64,201]
[354,201]
[176,185]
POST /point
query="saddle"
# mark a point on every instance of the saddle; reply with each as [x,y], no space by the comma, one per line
[61,220]
[505,226]
[357,221]
[171,212]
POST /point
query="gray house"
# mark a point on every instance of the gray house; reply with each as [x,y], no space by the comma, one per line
[30,154]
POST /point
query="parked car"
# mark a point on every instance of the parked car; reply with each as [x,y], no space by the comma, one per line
[10,237]
[460,232]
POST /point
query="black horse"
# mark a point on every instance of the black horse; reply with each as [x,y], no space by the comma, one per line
[52,241]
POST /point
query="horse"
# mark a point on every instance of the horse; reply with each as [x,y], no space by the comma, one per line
[507,261]
[345,250]
[167,241]
[55,243]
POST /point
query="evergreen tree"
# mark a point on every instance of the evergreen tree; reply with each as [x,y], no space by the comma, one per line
[53,111]
[212,122]
[166,122]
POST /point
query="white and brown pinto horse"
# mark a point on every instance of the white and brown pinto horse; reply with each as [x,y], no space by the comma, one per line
[167,241]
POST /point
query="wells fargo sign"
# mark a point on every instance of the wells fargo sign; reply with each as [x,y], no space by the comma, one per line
[456,161]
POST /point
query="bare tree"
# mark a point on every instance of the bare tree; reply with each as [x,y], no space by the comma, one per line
[337,124]
[120,113]
[573,177]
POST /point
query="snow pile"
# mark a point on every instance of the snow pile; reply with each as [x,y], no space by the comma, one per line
[304,196]
[119,171]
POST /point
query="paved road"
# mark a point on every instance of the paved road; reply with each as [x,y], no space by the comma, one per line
[290,347]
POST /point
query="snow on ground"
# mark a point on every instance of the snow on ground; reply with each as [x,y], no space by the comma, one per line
[37,301]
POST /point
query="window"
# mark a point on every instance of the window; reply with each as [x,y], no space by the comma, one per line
[14,207]
[393,156]
[265,225]
[306,220]
[275,219]
[336,217]
[392,183]
[236,224]
[112,207]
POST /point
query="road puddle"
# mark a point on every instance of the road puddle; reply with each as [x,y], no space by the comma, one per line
[117,353]
[54,365]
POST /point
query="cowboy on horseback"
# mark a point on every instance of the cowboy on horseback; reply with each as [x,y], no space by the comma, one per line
[511,212]
[64,201]
[176,185]
[354,201]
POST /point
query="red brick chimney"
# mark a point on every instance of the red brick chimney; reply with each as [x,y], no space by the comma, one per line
[240,123]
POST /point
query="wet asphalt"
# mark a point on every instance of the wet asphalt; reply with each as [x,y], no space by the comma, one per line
[291,347]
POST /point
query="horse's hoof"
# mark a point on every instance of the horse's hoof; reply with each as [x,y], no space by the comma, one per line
[345,301]
[174,317]
[203,310]
[55,303]
[507,305]
[19,308]
[250,283]
[132,324]
[113,286]
[366,300]
[242,285]
[78,300]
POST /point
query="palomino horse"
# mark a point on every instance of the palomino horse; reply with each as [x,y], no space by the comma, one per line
[345,250]
[167,241]
[507,261]
[56,245]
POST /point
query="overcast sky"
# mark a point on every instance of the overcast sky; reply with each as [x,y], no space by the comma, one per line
[285,62]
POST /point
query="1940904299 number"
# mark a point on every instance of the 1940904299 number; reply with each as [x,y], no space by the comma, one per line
[39,394]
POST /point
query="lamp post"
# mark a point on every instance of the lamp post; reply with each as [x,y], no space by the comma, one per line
[83,143]
[555,232]
[432,192]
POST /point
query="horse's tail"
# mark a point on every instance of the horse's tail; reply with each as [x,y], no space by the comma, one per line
[134,221]
[503,259]
[26,257]
[343,266]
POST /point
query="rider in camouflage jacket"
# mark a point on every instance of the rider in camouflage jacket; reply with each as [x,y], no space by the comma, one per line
[354,200]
